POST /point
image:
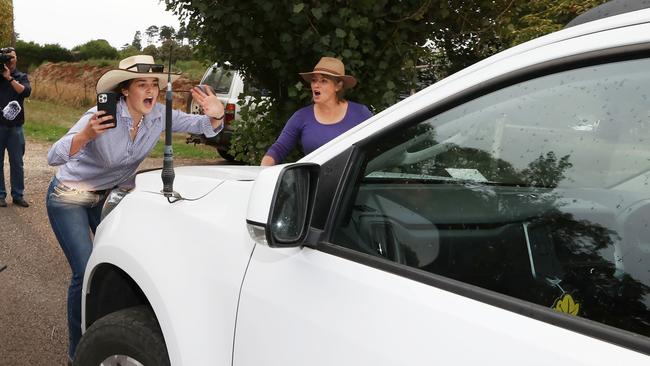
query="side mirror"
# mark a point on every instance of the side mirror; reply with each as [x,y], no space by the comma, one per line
[280,205]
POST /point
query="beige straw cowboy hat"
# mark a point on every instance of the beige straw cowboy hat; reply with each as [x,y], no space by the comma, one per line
[333,67]
[138,66]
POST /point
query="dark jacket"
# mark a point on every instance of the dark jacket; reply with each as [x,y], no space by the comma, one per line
[7,94]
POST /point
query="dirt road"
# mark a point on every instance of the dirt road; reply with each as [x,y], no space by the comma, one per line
[33,287]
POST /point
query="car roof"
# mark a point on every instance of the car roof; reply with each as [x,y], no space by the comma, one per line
[608,9]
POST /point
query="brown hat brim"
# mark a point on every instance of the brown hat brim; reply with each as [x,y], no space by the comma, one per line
[348,80]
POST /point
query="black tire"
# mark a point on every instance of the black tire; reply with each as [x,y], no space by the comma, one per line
[132,332]
[224,154]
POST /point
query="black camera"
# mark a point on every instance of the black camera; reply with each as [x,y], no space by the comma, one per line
[5,57]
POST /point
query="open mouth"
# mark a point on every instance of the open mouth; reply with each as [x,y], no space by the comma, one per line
[316,93]
[148,102]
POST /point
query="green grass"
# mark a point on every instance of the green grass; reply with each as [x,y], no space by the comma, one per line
[193,69]
[47,122]
[184,150]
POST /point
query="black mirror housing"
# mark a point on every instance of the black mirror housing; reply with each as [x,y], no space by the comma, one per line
[292,205]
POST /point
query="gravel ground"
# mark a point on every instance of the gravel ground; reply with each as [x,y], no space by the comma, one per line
[33,287]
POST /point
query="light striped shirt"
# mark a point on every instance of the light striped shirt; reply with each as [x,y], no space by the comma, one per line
[111,160]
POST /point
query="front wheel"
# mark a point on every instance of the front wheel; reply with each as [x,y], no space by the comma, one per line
[127,337]
[224,154]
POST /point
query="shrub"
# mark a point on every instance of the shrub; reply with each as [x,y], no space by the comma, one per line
[257,129]
[99,48]
[31,55]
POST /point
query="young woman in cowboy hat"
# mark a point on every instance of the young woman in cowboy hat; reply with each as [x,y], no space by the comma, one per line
[329,116]
[101,152]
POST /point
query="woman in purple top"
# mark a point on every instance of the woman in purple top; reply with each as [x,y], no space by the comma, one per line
[328,117]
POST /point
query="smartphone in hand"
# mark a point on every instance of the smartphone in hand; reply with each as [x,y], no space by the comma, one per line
[108,102]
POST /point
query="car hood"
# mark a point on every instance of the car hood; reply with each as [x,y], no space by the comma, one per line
[194,182]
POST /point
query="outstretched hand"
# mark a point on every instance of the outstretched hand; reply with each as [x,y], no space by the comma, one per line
[209,102]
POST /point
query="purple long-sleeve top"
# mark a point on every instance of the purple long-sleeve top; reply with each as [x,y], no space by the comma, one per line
[312,134]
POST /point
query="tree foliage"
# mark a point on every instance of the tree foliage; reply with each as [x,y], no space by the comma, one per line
[31,54]
[181,35]
[380,42]
[273,41]
[6,23]
[166,33]
[152,33]
[466,32]
[99,48]
[128,50]
[137,41]
[150,50]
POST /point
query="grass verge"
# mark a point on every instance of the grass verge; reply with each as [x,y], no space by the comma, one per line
[47,122]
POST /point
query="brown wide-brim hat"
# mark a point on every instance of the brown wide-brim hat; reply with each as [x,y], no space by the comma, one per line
[133,67]
[333,67]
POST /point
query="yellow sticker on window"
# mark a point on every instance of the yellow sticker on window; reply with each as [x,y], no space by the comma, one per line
[566,305]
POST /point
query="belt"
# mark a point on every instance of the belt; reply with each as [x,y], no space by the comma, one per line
[70,189]
[69,195]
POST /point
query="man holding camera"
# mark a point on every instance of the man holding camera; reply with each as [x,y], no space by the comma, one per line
[14,88]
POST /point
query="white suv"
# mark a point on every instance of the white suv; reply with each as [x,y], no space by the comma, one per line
[498,217]
[228,84]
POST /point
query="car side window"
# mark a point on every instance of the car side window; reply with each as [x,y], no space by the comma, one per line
[537,191]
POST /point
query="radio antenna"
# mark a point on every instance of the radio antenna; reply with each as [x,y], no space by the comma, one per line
[168,154]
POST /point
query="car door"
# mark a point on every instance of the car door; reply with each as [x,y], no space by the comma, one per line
[505,226]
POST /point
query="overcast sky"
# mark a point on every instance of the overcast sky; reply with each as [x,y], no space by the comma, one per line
[74,22]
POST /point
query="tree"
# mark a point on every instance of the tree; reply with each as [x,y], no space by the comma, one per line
[32,54]
[7,37]
[179,52]
[99,48]
[273,41]
[55,53]
[536,18]
[127,51]
[166,33]
[151,50]
[469,31]
[181,35]
[152,33]
[137,41]
[380,41]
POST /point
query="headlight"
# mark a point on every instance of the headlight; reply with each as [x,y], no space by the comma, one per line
[258,233]
[113,199]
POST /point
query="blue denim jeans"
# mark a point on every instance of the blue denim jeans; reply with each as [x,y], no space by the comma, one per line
[74,216]
[12,139]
